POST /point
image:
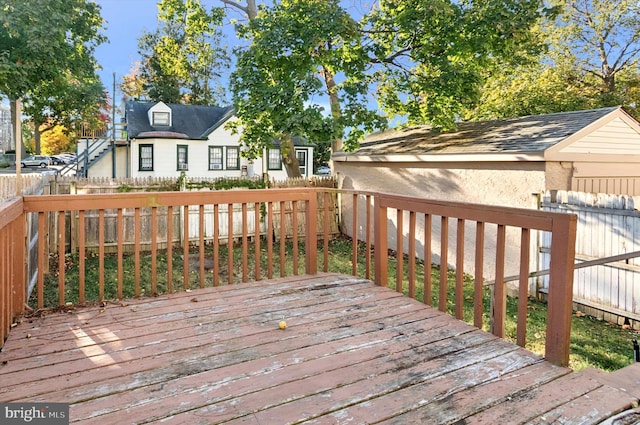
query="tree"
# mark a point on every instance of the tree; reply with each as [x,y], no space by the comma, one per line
[67,102]
[433,57]
[592,61]
[297,47]
[46,49]
[603,37]
[133,84]
[56,140]
[182,59]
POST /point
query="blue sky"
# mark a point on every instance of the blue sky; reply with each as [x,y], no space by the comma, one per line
[126,20]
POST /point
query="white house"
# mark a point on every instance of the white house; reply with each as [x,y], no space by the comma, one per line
[164,140]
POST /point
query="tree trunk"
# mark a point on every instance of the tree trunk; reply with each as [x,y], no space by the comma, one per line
[37,137]
[289,158]
[334,103]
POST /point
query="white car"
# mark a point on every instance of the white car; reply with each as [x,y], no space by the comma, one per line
[323,171]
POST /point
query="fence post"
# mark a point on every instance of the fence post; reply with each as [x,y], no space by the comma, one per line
[563,249]
[380,242]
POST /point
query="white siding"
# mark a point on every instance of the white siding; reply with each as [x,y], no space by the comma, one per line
[616,137]
[104,166]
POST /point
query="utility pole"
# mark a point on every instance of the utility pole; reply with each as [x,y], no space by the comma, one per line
[113,128]
[18,134]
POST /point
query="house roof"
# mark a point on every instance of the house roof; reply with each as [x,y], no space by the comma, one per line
[188,121]
[530,135]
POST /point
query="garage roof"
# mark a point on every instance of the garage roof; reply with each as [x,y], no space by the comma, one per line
[526,137]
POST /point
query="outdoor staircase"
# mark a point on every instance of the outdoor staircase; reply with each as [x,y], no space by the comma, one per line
[96,148]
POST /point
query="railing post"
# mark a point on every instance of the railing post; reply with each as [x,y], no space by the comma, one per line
[19,278]
[380,242]
[563,246]
[311,234]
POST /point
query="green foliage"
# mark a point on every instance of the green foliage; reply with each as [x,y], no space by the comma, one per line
[217,184]
[297,47]
[182,59]
[434,57]
[425,61]
[227,184]
[592,62]
[47,57]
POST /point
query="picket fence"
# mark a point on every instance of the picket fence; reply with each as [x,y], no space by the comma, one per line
[32,184]
[608,225]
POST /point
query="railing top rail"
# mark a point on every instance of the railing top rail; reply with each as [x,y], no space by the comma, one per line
[158,199]
[509,216]
[10,210]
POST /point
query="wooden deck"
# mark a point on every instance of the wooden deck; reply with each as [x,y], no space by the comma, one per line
[353,353]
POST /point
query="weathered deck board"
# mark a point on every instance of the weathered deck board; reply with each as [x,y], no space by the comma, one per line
[352,353]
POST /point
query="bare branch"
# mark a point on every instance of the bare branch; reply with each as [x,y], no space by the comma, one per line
[236,5]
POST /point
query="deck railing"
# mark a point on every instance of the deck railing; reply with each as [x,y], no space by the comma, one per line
[459,216]
[376,223]
[12,253]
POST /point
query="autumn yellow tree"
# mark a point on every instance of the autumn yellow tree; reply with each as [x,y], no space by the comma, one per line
[57,140]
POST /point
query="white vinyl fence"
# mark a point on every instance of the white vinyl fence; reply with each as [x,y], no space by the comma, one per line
[608,225]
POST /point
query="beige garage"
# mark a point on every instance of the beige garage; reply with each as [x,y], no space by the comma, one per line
[504,162]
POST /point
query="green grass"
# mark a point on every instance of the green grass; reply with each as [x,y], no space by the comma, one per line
[594,343]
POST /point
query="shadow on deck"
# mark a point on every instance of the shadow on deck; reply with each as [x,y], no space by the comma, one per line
[353,352]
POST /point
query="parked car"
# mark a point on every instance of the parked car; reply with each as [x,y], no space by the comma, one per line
[323,170]
[59,159]
[36,161]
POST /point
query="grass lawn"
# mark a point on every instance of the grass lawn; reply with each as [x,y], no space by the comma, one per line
[594,343]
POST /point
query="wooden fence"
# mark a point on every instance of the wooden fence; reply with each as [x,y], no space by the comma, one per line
[608,225]
[32,184]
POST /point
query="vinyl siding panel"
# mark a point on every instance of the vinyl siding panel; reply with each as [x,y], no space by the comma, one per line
[617,137]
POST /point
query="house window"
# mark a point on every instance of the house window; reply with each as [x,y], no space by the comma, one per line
[274,160]
[215,158]
[233,158]
[161,119]
[183,158]
[145,158]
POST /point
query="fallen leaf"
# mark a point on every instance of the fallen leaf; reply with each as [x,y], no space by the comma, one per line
[28,336]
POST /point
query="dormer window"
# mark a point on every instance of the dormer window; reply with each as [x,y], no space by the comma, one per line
[160,115]
[161,119]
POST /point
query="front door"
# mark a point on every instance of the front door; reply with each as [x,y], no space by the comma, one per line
[301,154]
